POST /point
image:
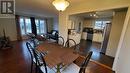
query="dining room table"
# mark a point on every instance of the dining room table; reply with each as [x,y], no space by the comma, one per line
[57,55]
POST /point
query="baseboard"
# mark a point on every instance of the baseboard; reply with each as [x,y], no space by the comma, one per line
[110,56]
[114,71]
[101,64]
[97,42]
[102,53]
[106,55]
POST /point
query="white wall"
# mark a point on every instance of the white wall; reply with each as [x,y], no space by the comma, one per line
[123,62]
[115,33]
[55,23]
[52,24]
[121,59]
[1,30]
[75,20]
[10,27]
[76,34]
[49,24]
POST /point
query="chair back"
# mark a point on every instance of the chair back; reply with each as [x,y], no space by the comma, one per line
[33,39]
[60,40]
[44,62]
[40,61]
[35,42]
[85,63]
[31,36]
[30,49]
[70,43]
[54,32]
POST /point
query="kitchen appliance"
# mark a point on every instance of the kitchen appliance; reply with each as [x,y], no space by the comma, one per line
[89,33]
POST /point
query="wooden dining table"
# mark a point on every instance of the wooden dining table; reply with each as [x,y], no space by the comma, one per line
[57,54]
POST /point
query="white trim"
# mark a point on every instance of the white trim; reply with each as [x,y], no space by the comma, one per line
[121,39]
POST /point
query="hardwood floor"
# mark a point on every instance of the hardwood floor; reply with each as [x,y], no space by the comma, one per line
[86,46]
[93,67]
[17,60]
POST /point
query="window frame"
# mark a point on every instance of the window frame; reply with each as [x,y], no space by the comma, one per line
[39,26]
[102,25]
[25,25]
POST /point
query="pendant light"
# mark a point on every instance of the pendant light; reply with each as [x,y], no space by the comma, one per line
[60,5]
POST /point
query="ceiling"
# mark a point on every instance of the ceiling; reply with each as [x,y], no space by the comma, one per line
[42,8]
[100,14]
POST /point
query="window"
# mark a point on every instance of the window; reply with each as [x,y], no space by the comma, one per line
[100,24]
[22,26]
[25,25]
[40,25]
[28,25]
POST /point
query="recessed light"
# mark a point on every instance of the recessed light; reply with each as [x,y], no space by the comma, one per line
[113,13]
[94,15]
[91,14]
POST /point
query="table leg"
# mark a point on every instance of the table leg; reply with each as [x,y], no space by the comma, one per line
[58,68]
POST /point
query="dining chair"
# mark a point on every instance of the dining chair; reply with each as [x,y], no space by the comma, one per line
[42,68]
[35,42]
[85,63]
[70,43]
[39,58]
[73,68]
[30,49]
[33,39]
[53,34]
[31,36]
[36,59]
[60,40]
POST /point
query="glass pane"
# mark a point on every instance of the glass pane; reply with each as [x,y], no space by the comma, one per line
[37,26]
[28,25]
[98,25]
[36,21]
[22,27]
[42,26]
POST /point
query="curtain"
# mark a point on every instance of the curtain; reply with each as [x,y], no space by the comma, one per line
[19,36]
[33,25]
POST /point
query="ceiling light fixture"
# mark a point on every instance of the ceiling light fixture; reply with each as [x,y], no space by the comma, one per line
[94,15]
[60,5]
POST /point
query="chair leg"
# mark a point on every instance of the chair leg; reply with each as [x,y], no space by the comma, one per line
[31,66]
[84,71]
[36,69]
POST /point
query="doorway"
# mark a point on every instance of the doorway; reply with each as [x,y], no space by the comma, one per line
[106,27]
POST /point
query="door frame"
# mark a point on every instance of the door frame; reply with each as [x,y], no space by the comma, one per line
[121,39]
